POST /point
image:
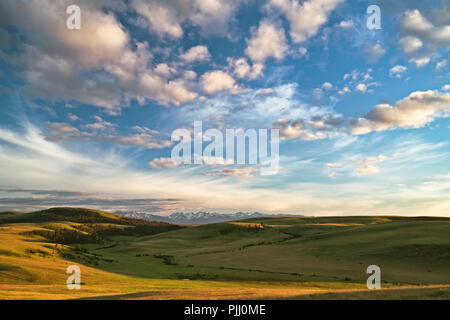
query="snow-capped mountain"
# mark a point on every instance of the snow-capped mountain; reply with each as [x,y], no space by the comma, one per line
[200,217]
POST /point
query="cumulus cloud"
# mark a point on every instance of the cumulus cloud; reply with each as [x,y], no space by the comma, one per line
[420,62]
[397,71]
[164,70]
[414,111]
[291,129]
[417,25]
[159,17]
[215,81]
[197,53]
[410,44]
[316,128]
[158,88]
[305,18]
[344,91]
[327,86]
[167,17]
[98,65]
[242,69]
[359,76]
[267,41]
[361,87]
[422,38]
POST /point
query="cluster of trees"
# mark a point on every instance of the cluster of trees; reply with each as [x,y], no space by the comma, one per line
[228,228]
[168,260]
[95,233]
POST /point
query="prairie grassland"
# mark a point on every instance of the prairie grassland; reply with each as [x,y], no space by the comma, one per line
[266,258]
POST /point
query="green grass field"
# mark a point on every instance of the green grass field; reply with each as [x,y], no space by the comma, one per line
[267,258]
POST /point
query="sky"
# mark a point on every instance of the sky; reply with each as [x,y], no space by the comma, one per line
[86,115]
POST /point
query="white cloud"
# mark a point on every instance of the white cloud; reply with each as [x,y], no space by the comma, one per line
[344,91]
[197,53]
[373,160]
[155,87]
[72,117]
[162,163]
[167,163]
[361,87]
[47,165]
[243,173]
[267,41]
[410,44]
[62,127]
[242,69]
[441,64]
[327,86]
[333,165]
[214,81]
[397,71]
[160,17]
[142,140]
[305,18]
[374,52]
[332,175]
[367,164]
[420,62]
[167,17]
[415,24]
[414,111]
[369,169]
[100,124]
[345,24]
[290,129]
[164,70]
[266,91]
[302,51]
[147,138]
[96,65]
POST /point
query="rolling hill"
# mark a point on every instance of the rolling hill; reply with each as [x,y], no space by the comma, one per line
[264,257]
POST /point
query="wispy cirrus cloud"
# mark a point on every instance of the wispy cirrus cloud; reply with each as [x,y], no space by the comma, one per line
[243,173]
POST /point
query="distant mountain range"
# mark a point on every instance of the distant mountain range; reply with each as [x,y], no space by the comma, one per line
[198,217]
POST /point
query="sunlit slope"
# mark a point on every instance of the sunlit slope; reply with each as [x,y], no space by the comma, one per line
[36,248]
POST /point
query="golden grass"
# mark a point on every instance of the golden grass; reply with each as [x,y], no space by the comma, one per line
[334,224]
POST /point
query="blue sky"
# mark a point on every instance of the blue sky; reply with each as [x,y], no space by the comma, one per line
[86,115]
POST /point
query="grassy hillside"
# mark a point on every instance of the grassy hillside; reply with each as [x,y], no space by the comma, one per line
[256,258]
